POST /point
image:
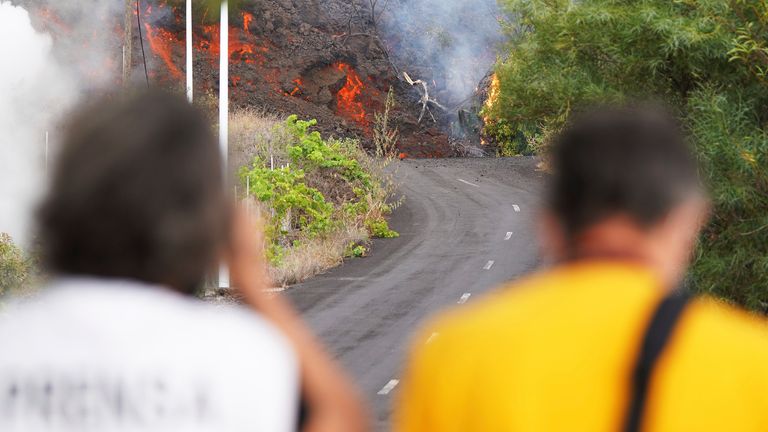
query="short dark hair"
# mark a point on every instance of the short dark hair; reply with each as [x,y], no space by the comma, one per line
[136,192]
[633,160]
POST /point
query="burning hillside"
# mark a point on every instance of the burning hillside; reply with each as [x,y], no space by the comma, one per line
[300,57]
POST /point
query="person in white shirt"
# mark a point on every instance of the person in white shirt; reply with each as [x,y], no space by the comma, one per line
[135,218]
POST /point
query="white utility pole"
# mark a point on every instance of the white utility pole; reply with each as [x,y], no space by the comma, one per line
[190,88]
[46,152]
[224,109]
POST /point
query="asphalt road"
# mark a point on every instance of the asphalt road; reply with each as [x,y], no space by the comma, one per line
[466,226]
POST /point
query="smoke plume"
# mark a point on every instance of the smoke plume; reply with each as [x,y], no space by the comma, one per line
[34,89]
[450,43]
[53,52]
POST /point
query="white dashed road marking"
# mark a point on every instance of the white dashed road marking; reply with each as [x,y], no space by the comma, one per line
[464,298]
[274,290]
[388,387]
[516,207]
[466,182]
[508,236]
[488,265]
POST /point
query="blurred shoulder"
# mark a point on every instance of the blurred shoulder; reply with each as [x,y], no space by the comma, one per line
[239,328]
[500,309]
[727,327]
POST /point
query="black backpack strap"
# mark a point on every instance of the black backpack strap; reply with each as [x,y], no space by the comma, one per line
[657,335]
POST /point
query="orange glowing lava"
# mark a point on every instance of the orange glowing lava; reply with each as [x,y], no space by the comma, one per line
[347,99]
[247,19]
[162,41]
[51,21]
[493,95]
[239,51]
[297,88]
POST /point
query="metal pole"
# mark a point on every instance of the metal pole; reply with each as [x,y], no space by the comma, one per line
[224,83]
[190,87]
[127,42]
[46,152]
[224,109]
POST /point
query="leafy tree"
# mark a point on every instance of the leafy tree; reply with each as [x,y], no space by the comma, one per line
[707,58]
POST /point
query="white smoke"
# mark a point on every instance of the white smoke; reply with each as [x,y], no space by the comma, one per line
[53,52]
[452,43]
[34,91]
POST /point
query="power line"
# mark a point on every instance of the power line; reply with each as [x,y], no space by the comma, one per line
[141,39]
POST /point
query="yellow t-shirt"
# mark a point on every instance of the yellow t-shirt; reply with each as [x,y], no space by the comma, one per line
[555,352]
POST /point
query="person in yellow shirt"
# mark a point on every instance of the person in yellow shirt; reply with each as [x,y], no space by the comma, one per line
[602,340]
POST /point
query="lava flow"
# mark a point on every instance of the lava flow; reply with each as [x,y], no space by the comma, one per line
[169,46]
[493,92]
[347,102]
[238,50]
[297,88]
[161,42]
[247,18]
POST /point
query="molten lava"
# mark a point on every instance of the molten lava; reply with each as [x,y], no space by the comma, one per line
[162,42]
[51,21]
[239,51]
[493,95]
[169,46]
[297,88]
[347,99]
[247,19]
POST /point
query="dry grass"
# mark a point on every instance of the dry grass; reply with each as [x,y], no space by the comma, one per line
[257,135]
[316,255]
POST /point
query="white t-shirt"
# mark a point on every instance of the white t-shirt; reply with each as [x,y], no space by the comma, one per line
[109,355]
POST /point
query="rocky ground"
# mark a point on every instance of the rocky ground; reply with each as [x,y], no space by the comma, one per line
[333,60]
[320,59]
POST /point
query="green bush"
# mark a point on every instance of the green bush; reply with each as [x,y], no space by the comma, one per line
[732,259]
[311,151]
[356,251]
[707,58]
[302,207]
[380,229]
[330,188]
[15,267]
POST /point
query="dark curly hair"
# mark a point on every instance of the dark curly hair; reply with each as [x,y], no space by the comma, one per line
[137,192]
[630,159]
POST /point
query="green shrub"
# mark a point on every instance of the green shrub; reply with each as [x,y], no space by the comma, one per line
[15,267]
[380,229]
[302,207]
[356,251]
[732,261]
[311,151]
[706,58]
[325,189]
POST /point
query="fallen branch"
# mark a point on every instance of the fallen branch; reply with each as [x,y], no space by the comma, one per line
[425,99]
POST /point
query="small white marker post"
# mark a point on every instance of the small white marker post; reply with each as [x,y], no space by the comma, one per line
[190,87]
[508,236]
[488,265]
[224,110]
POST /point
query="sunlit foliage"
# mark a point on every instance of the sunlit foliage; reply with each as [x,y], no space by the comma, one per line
[707,58]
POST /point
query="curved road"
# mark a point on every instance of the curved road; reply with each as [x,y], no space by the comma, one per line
[466,226]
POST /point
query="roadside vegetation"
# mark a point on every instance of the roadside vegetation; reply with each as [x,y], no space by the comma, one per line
[708,59]
[320,199]
[16,268]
